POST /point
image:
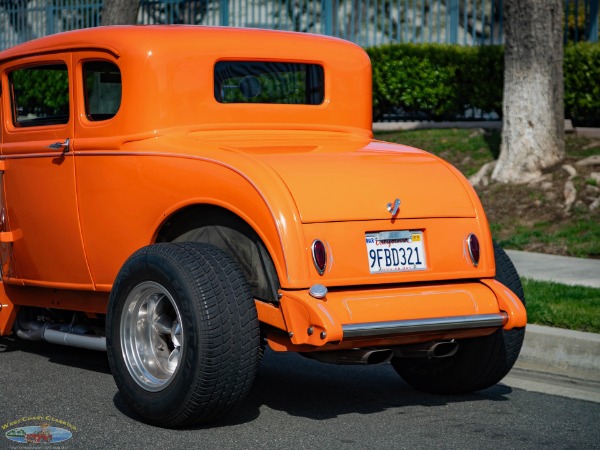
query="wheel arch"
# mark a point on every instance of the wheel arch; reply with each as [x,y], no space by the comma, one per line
[216,225]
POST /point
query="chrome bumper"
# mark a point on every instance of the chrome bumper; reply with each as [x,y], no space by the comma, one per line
[439,324]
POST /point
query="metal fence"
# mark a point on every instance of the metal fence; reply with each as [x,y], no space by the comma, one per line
[366,22]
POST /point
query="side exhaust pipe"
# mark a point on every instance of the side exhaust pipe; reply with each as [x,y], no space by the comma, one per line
[352,357]
[42,331]
[436,349]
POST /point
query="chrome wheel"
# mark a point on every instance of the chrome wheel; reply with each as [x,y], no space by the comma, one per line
[151,336]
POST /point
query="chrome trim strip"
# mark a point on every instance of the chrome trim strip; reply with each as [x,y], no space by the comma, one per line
[414,326]
[33,156]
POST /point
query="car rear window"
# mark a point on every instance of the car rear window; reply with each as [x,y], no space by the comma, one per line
[40,95]
[269,82]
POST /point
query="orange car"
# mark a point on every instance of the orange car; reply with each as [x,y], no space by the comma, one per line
[183,197]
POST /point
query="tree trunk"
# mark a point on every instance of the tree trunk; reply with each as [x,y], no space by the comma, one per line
[533,111]
[120,12]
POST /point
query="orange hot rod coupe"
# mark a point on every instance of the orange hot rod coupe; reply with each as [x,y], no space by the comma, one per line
[183,197]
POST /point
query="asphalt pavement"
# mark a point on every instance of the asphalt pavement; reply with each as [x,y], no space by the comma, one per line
[295,403]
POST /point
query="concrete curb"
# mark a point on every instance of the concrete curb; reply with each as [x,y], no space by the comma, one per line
[574,354]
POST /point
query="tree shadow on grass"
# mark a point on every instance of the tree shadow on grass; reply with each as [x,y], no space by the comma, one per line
[493,140]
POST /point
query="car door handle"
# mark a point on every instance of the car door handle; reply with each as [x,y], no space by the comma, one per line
[63,146]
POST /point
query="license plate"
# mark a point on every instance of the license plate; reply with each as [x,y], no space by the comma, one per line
[395,251]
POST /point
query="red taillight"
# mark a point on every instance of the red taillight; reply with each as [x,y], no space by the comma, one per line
[473,246]
[319,256]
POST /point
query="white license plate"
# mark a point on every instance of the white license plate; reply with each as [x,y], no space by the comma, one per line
[395,251]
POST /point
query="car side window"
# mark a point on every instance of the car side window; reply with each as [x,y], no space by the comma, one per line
[40,95]
[102,81]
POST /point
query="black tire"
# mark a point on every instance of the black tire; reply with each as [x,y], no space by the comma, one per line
[479,362]
[194,349]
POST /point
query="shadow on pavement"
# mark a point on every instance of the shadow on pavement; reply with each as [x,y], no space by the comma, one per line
[80,358]
[294,385]
[304,388]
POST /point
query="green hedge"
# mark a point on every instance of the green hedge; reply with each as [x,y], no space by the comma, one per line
[582,83]
[442,81]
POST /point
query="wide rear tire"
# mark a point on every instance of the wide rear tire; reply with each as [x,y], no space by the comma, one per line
[182,334]
[479,362]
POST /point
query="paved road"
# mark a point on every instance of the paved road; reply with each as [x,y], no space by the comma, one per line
[296,404]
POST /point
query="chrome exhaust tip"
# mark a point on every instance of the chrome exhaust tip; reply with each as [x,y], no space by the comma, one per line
[434,349]
[352,357]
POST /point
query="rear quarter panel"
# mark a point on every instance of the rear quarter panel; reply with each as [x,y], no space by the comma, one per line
[125,197]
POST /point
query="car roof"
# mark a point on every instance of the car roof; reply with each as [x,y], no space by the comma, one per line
[118,40]
[175,64]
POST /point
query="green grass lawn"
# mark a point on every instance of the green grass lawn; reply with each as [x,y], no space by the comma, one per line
[558,305]
[581,237]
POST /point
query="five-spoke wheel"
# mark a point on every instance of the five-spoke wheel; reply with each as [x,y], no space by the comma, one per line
[151,335]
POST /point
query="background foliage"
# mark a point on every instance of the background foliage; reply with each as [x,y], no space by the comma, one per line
[582,83]
[442,82]
[41,91]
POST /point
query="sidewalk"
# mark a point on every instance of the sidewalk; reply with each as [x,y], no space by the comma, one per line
[559,269]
